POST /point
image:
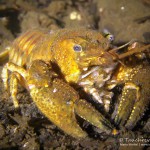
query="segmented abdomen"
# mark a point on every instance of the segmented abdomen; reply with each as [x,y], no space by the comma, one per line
[24,45]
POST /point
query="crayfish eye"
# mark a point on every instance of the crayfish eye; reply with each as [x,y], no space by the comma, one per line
[77,48]
[110,37]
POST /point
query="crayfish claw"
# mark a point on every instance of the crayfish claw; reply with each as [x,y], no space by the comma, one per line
[86,111]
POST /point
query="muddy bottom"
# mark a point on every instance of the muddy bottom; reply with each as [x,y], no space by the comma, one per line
[26,128]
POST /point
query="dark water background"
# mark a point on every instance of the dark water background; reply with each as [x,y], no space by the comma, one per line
[27,128]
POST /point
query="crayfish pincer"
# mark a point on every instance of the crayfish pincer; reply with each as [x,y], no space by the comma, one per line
[57,100]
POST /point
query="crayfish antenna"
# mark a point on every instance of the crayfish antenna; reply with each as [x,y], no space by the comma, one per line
[133,51]
[114,53]
[114,50]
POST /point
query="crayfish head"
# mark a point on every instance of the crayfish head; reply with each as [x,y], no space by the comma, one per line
[100,58]
[91,53]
